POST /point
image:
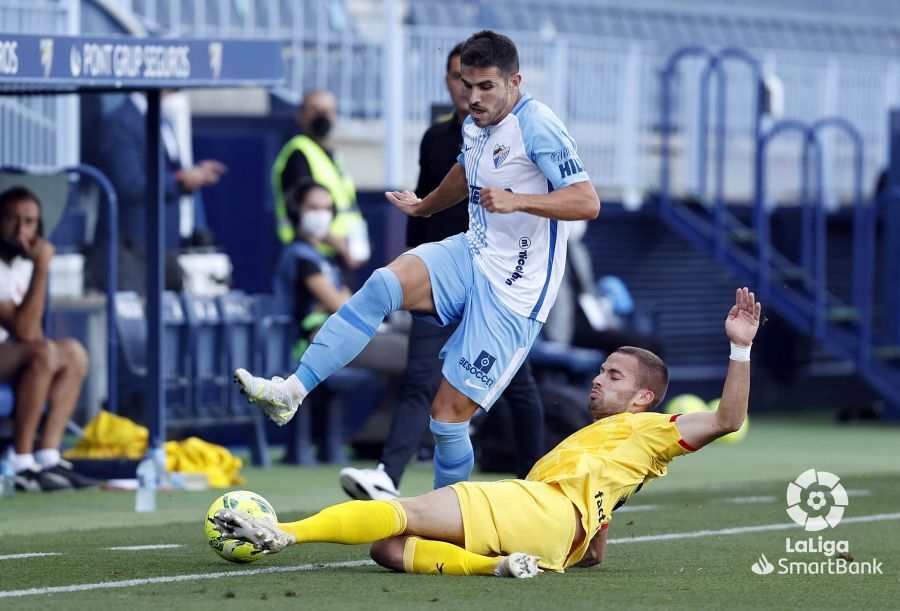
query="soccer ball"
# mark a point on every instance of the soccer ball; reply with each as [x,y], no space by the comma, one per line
[235,550]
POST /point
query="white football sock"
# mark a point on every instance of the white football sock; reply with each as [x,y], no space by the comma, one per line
[47,458]
[22,462]
[296,389]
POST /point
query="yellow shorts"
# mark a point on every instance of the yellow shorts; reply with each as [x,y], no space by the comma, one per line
[509,516]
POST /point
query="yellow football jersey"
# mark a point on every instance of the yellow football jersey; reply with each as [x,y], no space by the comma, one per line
[600,466]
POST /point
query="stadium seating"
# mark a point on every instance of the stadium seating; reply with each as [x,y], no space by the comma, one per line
[131,324]
[684,287]
[132,330]
[203,338]
[178,358]
[239,329]
[275,336]
[209,364]
[275,333]
[554,362]
[327,401]
[239,348]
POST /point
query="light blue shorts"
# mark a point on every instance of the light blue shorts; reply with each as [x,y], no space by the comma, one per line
[491,341]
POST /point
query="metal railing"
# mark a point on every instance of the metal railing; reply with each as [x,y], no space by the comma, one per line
[324,49]
[800,286]
[603,112]
[39,132]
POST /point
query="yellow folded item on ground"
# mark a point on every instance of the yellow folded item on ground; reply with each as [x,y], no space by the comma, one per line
[193,455]
[111,436]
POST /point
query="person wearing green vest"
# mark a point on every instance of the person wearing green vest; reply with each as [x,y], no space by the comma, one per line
[311,156]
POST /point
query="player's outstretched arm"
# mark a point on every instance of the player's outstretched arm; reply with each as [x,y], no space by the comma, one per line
[577,202]
[452,190]
[741,324]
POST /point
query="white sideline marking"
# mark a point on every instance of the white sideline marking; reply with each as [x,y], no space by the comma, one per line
[627,508]
[878,517]
[140,548]
[127,583]
[749,500]
[29,555]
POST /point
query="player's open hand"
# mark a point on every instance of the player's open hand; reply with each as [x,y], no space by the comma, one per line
[495,199]
[407,201]
[743,318]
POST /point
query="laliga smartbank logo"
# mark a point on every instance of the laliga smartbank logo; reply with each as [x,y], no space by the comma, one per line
[816,501]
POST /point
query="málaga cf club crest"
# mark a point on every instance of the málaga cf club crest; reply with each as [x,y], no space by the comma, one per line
[501,152]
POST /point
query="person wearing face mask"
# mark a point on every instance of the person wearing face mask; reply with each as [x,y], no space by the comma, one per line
[307,283]
[311,156]
[41,370]
[309,286]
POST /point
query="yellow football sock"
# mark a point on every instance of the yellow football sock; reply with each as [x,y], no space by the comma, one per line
[441,558]
[351,523]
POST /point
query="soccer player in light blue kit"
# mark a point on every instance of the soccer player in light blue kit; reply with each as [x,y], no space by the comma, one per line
[524,181]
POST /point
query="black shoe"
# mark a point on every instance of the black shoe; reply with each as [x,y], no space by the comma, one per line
[39,480]
[77,480]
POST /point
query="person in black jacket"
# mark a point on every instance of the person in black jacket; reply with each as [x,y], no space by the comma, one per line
[437,154]
[119,151]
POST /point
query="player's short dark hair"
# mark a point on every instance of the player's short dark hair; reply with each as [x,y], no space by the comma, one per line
[297,196]
[17,193]
[457,50]
[487,49]
[653,375]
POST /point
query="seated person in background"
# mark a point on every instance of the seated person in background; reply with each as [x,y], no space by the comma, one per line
[40,369]
[308,285]
[585,318]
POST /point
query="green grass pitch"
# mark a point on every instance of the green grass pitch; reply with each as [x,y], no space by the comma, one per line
[721,487]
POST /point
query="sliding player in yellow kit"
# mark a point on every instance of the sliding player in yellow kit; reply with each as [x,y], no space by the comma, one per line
[557,516]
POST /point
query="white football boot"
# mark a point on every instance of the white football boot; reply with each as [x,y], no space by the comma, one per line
[261,532]
[273,396]
[519,566]
[368,484]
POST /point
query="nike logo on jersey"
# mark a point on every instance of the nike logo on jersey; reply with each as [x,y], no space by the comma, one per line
[479,370]
[475,386]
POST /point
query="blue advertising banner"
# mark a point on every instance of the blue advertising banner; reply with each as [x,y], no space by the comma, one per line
[69,63]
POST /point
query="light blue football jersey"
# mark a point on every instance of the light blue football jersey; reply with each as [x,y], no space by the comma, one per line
[522,255]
